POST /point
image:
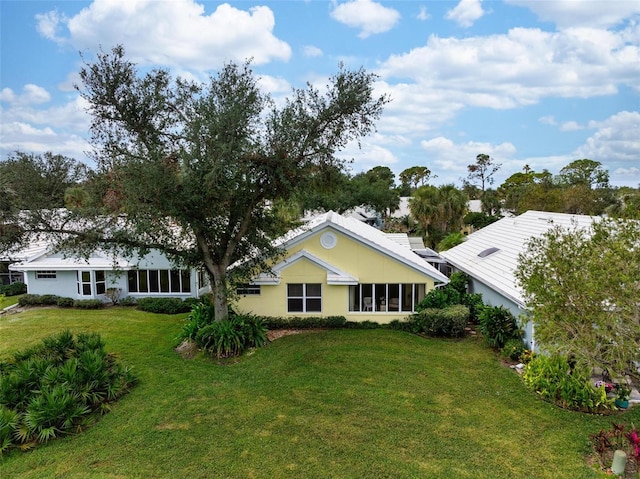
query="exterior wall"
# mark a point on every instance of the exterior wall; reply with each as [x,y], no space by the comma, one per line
[66,282]
[350,256]
[493,298]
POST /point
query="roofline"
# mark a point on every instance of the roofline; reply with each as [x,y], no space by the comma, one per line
[507,295]
[435,274]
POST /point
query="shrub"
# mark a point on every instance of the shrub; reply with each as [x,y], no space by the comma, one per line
[459,282]
[163,305]
[439,298]
[65,302]
[309,322]
[221,338]
[53,388]
[201,315]
[113,294]
[128,301]
[474,302]
[513,349]
[497,326]
[88,304]
[448,322]
[554,379]
[49,299]
[38,300]
[253,330]
[13,289]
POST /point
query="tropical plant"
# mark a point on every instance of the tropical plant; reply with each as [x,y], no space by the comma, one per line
[565,384]
[497,326]
[53,388]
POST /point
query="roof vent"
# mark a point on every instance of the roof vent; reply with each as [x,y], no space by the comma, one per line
[487,252]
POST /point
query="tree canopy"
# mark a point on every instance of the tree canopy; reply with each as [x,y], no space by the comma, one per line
[191,168]
[483,170]
[39,181]
[582,287]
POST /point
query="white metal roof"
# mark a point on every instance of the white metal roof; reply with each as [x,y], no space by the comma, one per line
[508,236]
[364,234]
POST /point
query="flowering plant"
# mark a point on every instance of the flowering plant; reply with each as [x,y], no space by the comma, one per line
[623,391]
[608,387]
[634,441]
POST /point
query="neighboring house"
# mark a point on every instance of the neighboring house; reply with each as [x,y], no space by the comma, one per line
[152,275]
[9,276]
[490,257]
[337,265]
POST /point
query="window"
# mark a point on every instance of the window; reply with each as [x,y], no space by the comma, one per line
[248,289]
[84,283]
[91,282]
[159,281]
[45,275]
[304,298]
[101,282]
[390,297]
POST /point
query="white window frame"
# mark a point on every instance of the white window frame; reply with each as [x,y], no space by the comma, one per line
[304,297]
[381,299]
[46,274]
[183,277]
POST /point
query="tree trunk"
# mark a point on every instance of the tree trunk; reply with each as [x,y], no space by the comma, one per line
[218,281]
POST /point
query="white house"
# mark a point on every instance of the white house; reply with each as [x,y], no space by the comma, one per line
[490,257]
[47,272]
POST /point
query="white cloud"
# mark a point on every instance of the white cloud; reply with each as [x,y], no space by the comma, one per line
[369,16]
[173,33]
[49,25]
[617,140]
[451,159]
[423,14]
[570,13]
[466,12]
[518,68]
[311,51]
[571,126]
[31,95]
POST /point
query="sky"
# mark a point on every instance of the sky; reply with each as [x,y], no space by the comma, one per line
[529,82]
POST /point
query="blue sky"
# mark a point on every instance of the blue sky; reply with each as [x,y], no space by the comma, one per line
[538,83]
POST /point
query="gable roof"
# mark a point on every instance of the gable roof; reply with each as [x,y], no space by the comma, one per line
[366,235]
[490,255]
[334,275]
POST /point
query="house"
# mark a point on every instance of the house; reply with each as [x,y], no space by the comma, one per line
[47,272]
[337,265]
[490,257]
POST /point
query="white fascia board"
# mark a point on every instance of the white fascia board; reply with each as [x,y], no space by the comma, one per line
[334,275]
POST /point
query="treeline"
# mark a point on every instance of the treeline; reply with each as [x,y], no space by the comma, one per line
[438,213]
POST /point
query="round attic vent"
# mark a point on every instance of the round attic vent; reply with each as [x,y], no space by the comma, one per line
[328,240]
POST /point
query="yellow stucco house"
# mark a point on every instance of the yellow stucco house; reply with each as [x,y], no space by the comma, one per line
[336,265]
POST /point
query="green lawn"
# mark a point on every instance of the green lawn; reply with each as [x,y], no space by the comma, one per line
[343,404]
[8,300]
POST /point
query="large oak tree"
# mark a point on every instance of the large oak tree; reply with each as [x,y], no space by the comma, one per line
[194,169]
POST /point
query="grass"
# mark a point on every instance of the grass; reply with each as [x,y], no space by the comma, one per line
[8,300]
[346,404]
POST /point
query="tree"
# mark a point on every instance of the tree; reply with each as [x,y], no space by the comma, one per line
[483,170]
[191,168]
[584,172]
[413,177]
[376,188]
[40,181]
[582,287]
[490,203]
[438,211]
